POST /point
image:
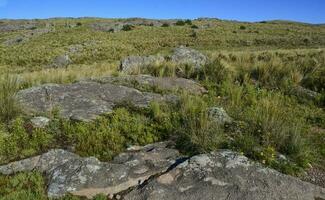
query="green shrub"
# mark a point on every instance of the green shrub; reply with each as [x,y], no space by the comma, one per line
[188,22]
[127,27]
[242,27]
[20,142]
[24,186]
[180,23]
[110,135]
[165,25]
[194,26]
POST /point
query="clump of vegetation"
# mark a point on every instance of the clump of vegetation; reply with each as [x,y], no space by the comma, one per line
[165,25]
[8,107]
[188,22]
[127,27]
[197,132]
[180,23]
[194,26]
[242,27]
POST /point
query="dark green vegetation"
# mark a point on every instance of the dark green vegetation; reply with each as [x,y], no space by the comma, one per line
[252,73]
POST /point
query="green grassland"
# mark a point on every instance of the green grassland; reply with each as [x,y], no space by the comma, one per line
[252,71]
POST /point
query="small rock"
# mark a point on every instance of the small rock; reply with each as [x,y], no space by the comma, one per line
[61,61]
[134,64]
[219,115]
[40,122]
[184,55]
[304,93]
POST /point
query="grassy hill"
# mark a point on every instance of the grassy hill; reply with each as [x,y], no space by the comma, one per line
[269,76]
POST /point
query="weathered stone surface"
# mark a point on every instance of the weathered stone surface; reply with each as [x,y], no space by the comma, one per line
[69,173]
[61,61]
[184,55]
[219,115]
[84,100]
[133,64]
[160,83]
[304,93]
[224,175]
[40,122]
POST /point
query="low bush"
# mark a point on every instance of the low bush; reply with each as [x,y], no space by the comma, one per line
[165,25]
[127,27]
[180,23]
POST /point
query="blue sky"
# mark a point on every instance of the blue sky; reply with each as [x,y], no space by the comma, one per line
[312,11]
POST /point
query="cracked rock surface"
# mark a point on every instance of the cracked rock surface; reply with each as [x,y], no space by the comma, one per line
[224,175]
[68,173]
[84,100]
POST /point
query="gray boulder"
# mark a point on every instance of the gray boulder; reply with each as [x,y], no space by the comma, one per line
[135,64]
[40,122]
[224,175]
[84,101]
[304,93]
[68,173]
[156,83]
[61,61]
[219,115]
[184,55]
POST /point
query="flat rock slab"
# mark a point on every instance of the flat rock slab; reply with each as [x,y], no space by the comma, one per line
[84,101]
[224,175]
[68,173]
[159,83]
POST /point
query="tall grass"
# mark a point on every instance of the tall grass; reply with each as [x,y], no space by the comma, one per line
[8,106]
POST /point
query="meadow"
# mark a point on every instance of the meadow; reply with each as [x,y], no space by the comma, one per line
[253,72]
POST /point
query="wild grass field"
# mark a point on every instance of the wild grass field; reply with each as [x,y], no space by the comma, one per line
[254,73]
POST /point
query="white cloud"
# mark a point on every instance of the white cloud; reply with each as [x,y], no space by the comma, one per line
[3,3]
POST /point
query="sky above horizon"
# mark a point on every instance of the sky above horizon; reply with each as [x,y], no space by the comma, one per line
[311,11]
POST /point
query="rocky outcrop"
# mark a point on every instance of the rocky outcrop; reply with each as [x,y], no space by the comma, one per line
[147,82]
[68,173]
[84,100]
[224,175]
[157,172]
[134,64]
[184,55]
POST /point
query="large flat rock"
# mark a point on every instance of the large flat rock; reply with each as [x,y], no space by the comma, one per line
[68,173]
[84,100]
[225,175]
